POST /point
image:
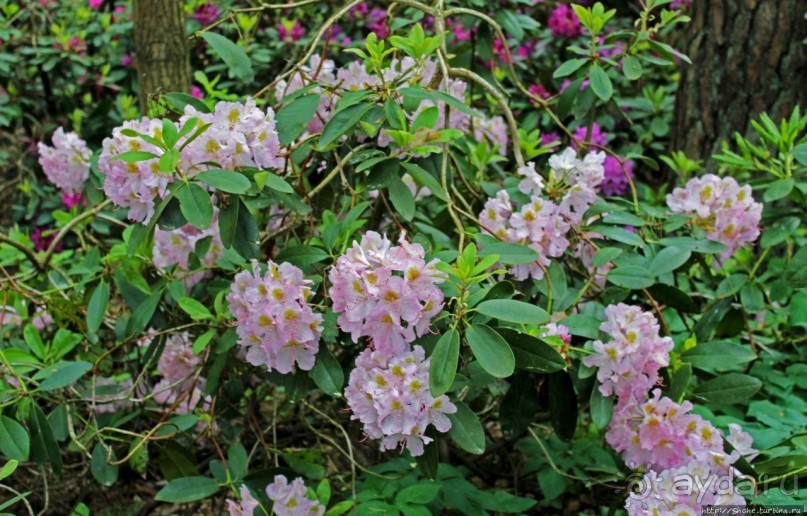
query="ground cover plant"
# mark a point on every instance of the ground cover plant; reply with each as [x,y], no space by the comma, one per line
[391,257]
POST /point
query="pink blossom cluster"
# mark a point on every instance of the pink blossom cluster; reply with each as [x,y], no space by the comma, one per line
[616,177]
[66,164]
[543,223]
[176,248]
[41,318]
[206,13]
[725,210]
[289,500]
[390,395]
[628,364]
[239,135]
[276,324]
[384,292]
[563,22]
[655,432]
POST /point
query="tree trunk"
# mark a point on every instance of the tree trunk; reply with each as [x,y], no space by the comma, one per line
[748,57]
[161,50]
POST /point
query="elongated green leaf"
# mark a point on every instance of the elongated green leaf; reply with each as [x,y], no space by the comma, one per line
[418,93]
[800,153]
[729,389]
[293,119]
[97,306]
[275,182]
[44,447]
[606,255]
[466,430]
[328,373]
[710,355]
[569,67]
[443,364]
[224,180]
[228,222]
[194,201]
[135,156]
[402,199]
[680,382]
[493,353]
[194,308]
[178,101]
[519,406]
[601,408]
[532,354]
[423,178]
[632,67]
[102,470]
[601,83]
[617,234]
[562,405]
[342,122]
[669,259]
[796,273]
[509,253]
[631,277]
[9,468]
[233,56]
[513,311]
[14,441]
[302,255]
[61,374]
[698,246]
[187,489]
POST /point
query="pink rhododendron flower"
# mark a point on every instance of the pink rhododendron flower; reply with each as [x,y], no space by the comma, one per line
[126,60]
[616,177]
[276,325]
[720,206]
[244,507]
[67,163]
[41,319]
[290,498]
[206,13]
[175,248]
[389,394]
[388,293]
[596,137]
[563,22]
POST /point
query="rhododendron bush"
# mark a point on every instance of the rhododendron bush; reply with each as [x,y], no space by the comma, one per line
[419,259]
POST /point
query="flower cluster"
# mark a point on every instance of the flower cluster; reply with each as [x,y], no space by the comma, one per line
[388,293]
[656,432]
[725,210]
[563,22]
[276,325]
[616,176]
[66,164]
[176,248]
[289,500]
[542,223]
[333,82]
[390,395]
[628,364]
[238,135]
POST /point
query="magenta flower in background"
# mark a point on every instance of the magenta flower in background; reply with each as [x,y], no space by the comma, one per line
[563,22]
[547,138]
[377,22]
[95,4]
[295,33]
[539,91]
[597,136]
[196,92]
[616,180]
[207,13]
[461,34]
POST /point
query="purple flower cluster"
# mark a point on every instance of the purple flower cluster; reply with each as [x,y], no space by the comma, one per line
[276,324]
[390,395]
[177,246]
[67,163]
[239,135]
[720,206]
[289,500]
[388,293]
[656,432]
[542,223]
[563,22]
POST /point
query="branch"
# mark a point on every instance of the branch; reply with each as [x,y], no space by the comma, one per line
[27,252]
[69,226]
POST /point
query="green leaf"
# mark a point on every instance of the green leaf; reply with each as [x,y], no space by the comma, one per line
[532,354]
[228,222]
[796,273]
[102,470]
[14,441]
[698,246]
[135,156]
[514,311]
[779,231]
[176,461]
[466,430]
[618,234]
[194,202]
[606,255]
[178,101]
[668,260]
[800,153]
[632,67]
[169,160]
[417,92]
[562,405]
[187,489]
[778,189]
[194,308]
[424,178]
[680,382]
[601,83]
[673,297]
[276,182]
[418,494]
[443,364]
[342,122]
[509,253]
[294,118]
[568,68]
[224,180]
[9,468]
[711,318]
[327,372]
[402,199]
[61,374]
[718,354]
[44,447]
[491,350]
[601,408]
[34,341]
[233,56]
[729,389]
[96,308]
[302,255]
[519,406]
[631,277]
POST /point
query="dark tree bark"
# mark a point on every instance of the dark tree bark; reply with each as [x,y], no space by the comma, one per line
[748,57]
[161,49]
